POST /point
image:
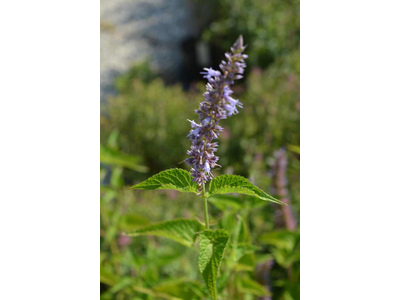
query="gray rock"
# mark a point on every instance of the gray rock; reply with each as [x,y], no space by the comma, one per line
[135,30]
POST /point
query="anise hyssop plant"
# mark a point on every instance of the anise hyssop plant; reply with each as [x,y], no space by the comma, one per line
[217,105]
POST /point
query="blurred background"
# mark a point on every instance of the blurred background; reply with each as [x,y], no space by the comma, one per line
[151,55]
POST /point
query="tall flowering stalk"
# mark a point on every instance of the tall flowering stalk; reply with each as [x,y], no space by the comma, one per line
[218,105]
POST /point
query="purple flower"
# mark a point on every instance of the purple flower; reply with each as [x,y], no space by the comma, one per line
[218,105]
[210,73]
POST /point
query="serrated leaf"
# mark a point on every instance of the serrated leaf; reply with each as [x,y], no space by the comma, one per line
[110,156]
[183,231]
[172,179]
[226,184]
[212,247]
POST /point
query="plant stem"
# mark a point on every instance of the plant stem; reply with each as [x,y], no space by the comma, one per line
[205,208]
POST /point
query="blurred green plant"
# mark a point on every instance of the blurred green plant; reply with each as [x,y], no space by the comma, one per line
[272,28]
[157,268]
[149,117]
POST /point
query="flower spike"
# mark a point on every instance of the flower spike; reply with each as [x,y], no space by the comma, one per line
[218,105]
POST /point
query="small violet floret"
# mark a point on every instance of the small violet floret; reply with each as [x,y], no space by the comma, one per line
[218,105]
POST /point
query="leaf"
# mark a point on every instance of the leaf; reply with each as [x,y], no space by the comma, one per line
[285,246]
[246,263]
[225,202]
[226,184]
[228,202]
[294,148]
[112,141]
[183,231]
[282,239]
[172,179]
[154,293]
[241,243]
[182,288]
[110,156]
[212,247]
[249,286]
[107,277]
[133,221]
[122,284]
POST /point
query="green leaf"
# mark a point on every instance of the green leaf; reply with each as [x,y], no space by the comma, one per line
[225,202]
[172,179]
[249,286]
[110,156]
[183,231]
[212,247]
[133,221]
[182,288]
[122,284]
[228,202]
[107,277]
[226,184]
[282,239]
[294,148]
[285,246]
[150,292]
[246,263]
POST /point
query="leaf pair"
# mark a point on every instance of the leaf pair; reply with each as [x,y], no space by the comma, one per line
[212,242]
[180,180]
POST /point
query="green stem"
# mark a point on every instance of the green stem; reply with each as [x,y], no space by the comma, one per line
[205,208]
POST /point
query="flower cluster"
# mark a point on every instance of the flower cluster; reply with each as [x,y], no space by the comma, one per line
[218,105]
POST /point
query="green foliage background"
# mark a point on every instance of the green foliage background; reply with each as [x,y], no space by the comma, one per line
[143,131]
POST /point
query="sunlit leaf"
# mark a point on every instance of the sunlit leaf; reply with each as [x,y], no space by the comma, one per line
[183,231]
[294,148]
[172,179]
[212,247]
[226,184]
